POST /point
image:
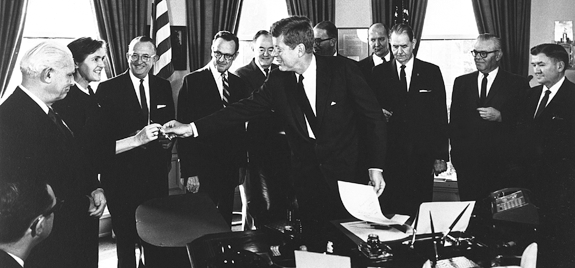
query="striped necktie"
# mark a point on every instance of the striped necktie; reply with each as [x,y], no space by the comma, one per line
[226,90]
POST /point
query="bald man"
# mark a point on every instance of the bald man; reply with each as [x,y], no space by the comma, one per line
[378,38]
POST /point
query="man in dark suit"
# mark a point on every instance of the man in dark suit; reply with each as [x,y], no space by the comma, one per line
[547,135]
[35,140]
[268,186]
[411,93]
[321,111]
[211,164]
[378,38]
[325,40]
[26,218]
[134,104]
[484,111]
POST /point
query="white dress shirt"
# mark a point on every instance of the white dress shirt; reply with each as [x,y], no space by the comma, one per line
[490,78]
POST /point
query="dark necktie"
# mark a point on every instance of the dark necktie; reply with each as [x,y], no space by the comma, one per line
[483,95]
[143,101]
[90,90]
[304,104]
[60,124]
[402,78]
[226,90]
[267,71]
[542,103]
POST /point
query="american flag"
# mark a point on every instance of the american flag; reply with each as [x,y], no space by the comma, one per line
[160,32]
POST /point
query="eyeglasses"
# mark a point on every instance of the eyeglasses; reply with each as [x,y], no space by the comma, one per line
[145,57]
[53,209]
[482,54]
[318,41]
[227,57]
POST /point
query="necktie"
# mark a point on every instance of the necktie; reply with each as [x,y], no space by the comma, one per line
[483,95]
[60,124]
[542,103]
[402,79]
[267,71]
[226,90]
[143,101]
[304,104]
[90,90]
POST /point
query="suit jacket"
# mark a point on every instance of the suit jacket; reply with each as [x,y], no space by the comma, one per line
[548,154]
[252,75]
[142,171]
[473,137]
[343,98]
[200,97]
[366,65]
[83,115]
[7,261]
[418,126]
[32,146]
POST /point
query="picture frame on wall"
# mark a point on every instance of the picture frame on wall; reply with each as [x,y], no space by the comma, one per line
[352,43]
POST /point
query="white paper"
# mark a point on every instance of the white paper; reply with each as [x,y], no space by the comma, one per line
[444,214]
[362,203]
[305,259]
[363,229]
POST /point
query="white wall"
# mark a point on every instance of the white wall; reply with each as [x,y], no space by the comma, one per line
[353,13]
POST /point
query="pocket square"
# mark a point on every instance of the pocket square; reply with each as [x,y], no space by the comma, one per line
[160,106]
[424,90]
[556,118]
[332,103]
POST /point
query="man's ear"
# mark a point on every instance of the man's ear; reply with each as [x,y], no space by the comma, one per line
[300,49]
[46,75]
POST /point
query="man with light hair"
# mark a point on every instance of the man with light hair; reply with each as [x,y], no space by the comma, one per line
[34,138]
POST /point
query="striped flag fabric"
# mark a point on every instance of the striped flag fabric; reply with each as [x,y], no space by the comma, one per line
[160,32]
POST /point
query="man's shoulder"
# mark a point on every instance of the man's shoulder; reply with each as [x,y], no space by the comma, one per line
[366,61]
[198,73]
[467,76]
[424,64]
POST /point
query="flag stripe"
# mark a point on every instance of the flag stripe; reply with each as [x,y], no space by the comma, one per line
[161,34]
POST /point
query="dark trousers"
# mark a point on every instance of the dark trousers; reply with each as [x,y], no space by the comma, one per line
[123,214]
[220,183]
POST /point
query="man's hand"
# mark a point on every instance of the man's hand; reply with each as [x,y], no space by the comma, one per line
[148,133]
[191,184]
[439,166]
[175,128]
[387,114]
[489,114]
[97,203]
[376,180]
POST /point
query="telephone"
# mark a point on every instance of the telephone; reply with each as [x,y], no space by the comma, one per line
[514,204]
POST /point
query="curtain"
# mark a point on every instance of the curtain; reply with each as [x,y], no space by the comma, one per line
[205,18]
[510,21]
[316,10]
[12,20]
[390,12]
[120,21]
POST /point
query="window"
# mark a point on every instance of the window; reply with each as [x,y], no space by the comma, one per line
[447,39]
[448,36]
[58,20]
[256,15]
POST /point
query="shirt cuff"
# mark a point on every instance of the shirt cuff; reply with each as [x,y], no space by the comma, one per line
[376,169]
[194,130]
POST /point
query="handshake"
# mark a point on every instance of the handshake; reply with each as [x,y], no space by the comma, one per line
[174,129]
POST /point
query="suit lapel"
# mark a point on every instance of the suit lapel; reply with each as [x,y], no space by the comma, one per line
[323,82]
[557,100]
[495,87]
[291,86]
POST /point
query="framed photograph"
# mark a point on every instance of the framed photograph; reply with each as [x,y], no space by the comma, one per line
[179,47]
[564,31]
[352,43]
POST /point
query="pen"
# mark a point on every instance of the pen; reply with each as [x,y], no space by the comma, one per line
[434,240]
[414,230]
[455,222]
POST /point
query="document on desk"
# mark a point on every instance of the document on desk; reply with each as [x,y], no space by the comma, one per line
[305,259]
[444,215]
[362,203]
[363,229]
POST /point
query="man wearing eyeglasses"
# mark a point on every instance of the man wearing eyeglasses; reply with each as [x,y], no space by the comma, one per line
[267,144]
[134,104]
[22,229]
[325,39]
[211,164]
[484,111]
[36,142]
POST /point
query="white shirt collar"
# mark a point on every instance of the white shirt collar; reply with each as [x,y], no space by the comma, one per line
[408,70]
[17,259]
[262,68]
[309,85]
[218,78]
[553,89]
[85,90]
[490,78]
[377,60]
[40,103]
